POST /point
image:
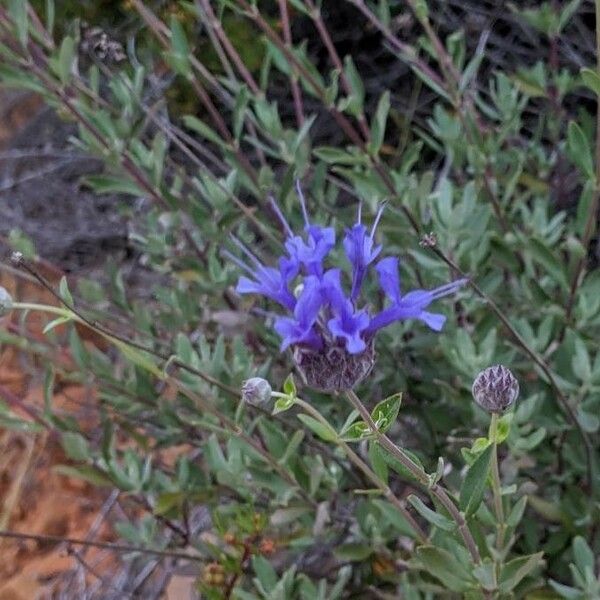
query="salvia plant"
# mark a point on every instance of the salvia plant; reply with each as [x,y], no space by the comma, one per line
[365,364]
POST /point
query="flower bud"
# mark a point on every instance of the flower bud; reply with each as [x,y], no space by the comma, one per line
[256,391]
[495,389]
[6,302]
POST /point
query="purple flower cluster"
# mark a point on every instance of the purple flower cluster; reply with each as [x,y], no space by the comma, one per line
[321,314]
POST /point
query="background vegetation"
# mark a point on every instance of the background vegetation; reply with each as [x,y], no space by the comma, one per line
[475,123]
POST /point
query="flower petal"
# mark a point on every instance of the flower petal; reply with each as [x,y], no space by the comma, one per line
[389,277]
[434,320]
[349,325]
[309,302]
[361,253]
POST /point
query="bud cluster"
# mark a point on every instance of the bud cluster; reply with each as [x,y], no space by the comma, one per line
[256,390]
[495,389]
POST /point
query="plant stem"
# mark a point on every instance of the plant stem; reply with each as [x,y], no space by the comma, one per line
[287,36]
[364,467]
[419,473]
[57,539]
[496,483]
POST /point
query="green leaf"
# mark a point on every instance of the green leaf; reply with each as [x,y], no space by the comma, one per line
[516,514]
[266,574]
[140,358]
[325,432]
[111,184]
[473,487]
[358,431]
[354,552]
[88,473]
[517,569]
[354,103]
[588,421]
[195,124]
[378,463]
[591,79]
[75,446]
[570,593]
[289,386]
[543,256]
[180,47]
[239,111]
[584,557]
[441,92]
[50,12]
[18,13]
[394,517]
[66,55]
[283,404]
[55,323]
[433,517]
[292,446]
[398,467]
[167,501]
[485,573]
[385,412]
[334,156]
[379,123]
[579,151]
[503,428]
[63,290]
[445,567]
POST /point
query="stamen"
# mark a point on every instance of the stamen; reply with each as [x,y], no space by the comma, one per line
[359,216]
[280,216]
[302,202]
[245,250]
[444,290]
[234,259]
[377,218]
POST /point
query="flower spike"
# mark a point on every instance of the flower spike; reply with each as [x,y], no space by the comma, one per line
[332,338]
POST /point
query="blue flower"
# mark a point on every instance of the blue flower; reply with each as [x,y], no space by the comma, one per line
[324,316]
[410,306]
[360,250]
[266,281]
[299,329]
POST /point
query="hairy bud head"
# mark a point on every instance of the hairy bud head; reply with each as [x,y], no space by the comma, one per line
[256,391]
[495,389]
[333,369]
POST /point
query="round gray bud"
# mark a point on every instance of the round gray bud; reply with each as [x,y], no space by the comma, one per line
[256,391]
[495,389]
[6,302]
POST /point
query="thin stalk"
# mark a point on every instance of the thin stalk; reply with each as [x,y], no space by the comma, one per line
[57,539]
[497,484]
[370,474]
[422,477]
[287,36]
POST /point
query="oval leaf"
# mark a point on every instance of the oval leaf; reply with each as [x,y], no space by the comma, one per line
[473,487]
